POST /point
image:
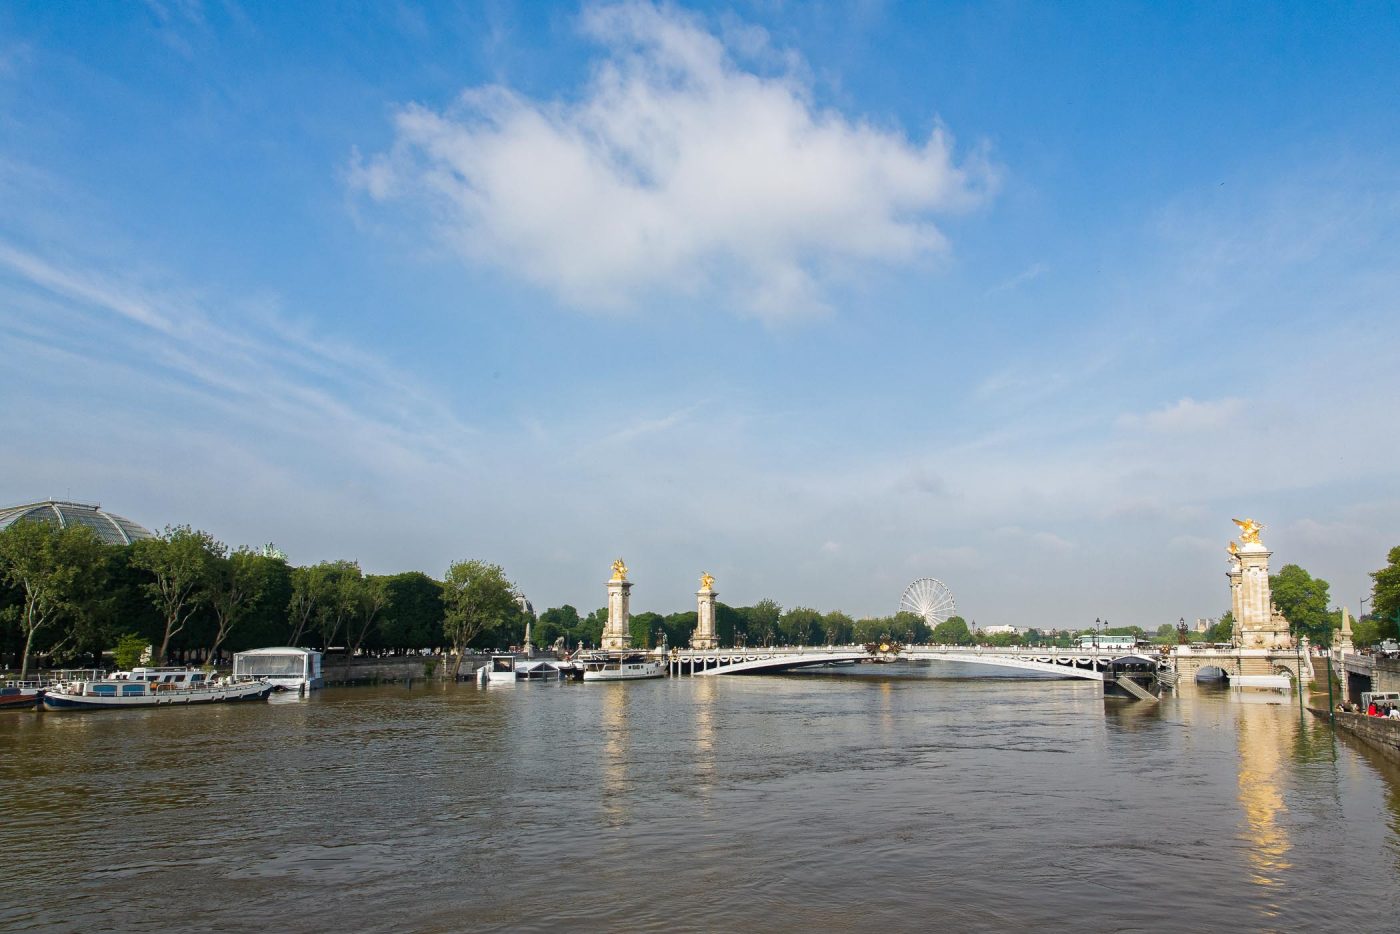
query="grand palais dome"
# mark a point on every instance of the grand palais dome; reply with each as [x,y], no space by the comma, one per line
[110,528]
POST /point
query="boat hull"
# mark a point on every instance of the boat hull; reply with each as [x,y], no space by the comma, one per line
[21,699]
[60,700]
[639,673]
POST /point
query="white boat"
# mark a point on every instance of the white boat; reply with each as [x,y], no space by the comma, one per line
[620,666]
[522,668]
[152,687]
[283,667]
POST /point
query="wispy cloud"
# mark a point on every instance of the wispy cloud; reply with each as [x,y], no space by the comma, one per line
[245,365]
[1186,416]
[1033,271]
[649,426]
[674,169]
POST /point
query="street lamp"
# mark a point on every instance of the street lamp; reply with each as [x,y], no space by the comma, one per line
[1097,623]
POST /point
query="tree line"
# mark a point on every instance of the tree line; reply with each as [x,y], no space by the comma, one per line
[67,597]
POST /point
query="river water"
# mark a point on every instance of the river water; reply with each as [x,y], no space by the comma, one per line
[895,797]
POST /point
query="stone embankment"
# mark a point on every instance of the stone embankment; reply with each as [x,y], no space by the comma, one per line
[1382,733]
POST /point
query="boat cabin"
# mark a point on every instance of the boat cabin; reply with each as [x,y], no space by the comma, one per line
[284,667]
[180,677]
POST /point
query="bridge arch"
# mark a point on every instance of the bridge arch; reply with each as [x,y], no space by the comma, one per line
[1211,673]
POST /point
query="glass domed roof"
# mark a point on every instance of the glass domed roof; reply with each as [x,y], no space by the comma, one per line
[112,529]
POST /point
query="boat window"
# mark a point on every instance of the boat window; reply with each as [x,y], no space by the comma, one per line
[133,689]
[105,689]
[179,677]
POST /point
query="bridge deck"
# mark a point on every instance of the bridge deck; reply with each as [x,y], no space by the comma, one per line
[1087,664]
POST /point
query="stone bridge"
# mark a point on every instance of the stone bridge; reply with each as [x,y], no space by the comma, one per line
[1088,664]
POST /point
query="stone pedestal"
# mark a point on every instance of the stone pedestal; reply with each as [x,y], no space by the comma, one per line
[704,635]
[617,634]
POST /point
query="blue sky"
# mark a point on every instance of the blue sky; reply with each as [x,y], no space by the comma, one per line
[819,297]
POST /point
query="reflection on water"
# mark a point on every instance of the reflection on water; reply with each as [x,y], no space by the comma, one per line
[704,711]
[881,797]
[613,725]
[1263,738]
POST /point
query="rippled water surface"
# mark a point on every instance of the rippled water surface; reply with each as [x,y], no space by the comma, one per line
[889,797]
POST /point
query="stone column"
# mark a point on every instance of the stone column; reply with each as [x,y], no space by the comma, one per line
[617,634]
[704,635]
[1261,627]
[1234,575]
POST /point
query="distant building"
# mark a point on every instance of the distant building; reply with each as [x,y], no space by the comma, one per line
[1202,624]
[110,528]
[1000,630]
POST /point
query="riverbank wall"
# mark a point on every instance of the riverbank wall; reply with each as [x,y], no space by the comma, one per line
[394,668]
[1381,733]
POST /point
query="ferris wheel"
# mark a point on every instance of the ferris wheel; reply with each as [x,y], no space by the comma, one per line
[930,599]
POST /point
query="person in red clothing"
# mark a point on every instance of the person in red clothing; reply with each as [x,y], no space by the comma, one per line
[1371,710]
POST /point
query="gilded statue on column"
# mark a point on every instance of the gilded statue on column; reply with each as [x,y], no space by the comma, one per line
[619,570]
[706,581]
[1249,530]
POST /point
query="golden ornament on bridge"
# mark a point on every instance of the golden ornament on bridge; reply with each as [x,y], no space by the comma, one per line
[1249,530]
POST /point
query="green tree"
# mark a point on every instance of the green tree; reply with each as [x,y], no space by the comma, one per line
[838,628]
[555,622]
[871,629]
[1223,630]
[129,650]
[475,595]
[909,627]
[338,595]
[1302,599]
[642,627]
[1385,589]
[762,620]
[802,626]
[1372,630]
[236,583]
[368,598]
[180,563]
[730,624]
[305,599]
[590,629]
[679,626]
[413,617]
[952,631]
[53,568]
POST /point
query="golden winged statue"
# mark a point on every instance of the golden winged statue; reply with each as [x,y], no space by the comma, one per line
[619,570]
[1233,549]
[707,582]
[1249,530]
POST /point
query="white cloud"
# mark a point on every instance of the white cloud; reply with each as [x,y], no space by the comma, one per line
[674,169]
[1185,416]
